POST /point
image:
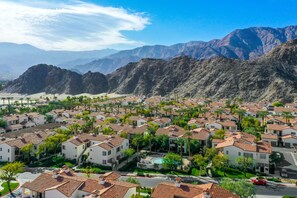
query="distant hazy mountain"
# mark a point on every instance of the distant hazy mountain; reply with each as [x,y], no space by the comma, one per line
[245,44]
[19,58]
[270,77]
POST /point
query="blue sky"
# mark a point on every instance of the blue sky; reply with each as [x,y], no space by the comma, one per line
[121,24]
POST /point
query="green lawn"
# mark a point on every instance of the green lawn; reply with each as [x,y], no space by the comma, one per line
[233,173]
[5,190]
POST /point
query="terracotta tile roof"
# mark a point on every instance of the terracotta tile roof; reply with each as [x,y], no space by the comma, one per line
[110,176]
[105,146]
[200,134]
[169,190]
[171,131]
[277,127]
[269,136]
[93,184]
[117,190]
[289,137]
[66,185]
[262,147]
[217,140]
[228,124]
[27,138]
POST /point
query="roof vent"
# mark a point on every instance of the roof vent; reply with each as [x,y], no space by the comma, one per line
[178,182]
[101,181]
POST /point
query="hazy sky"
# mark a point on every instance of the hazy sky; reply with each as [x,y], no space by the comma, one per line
[121,24]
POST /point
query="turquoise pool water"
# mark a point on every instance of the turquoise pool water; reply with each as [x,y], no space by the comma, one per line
[158,160]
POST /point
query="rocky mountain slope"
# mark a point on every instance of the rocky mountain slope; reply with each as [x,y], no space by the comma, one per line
[272,77]
[245,44]
[51,79]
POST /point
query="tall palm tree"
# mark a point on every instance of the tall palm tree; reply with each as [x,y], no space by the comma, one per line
[22,99]
[180,143]
[3,100]
[262,115]
[219,112]
[241,113]
[136,141]
[287,116]
[148,137]
[188,134]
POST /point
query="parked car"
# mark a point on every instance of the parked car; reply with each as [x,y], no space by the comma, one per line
[258,181]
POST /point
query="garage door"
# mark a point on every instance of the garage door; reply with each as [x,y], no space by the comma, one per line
[287,145]
[274,144]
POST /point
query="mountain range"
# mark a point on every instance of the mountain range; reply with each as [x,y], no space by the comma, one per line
[270,77]
[245,44]
[17,58]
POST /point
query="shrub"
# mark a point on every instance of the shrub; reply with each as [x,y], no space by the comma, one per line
[195,172]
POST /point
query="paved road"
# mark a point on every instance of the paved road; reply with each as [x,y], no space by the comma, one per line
[271,190]
[274,191]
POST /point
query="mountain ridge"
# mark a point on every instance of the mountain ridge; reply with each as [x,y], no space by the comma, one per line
[270,77]
[246,44]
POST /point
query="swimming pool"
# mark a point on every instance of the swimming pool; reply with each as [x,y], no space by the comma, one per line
[158,160]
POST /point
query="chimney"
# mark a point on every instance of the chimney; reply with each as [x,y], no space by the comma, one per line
[206,194]
[66,169]
[55,174]
[101,181]
[178,182]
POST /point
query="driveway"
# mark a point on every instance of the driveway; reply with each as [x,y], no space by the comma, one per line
[287,162]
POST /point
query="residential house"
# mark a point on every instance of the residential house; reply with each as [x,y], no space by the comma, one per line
[244,144]
[97,147]
[179,189]
[10,149]
[65,183]
[162,122]
[108,152]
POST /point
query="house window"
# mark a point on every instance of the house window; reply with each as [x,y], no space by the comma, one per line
[127,144]
[103,161]
[118,149]
[293,133]
[8,159]
[74,147]
[104,153]
[90,149]
[122,147]
[8,150]
[227,152]
[0,149]
[239,153]
[262,156]
[0,157]
[63,147]
[248,155]
[109,152]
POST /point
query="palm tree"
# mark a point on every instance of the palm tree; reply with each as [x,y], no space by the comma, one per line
[22,99]
[241,113]
[188,134]
[136,141]
[28,101]
[219,112]
[3,100]
[148,137]
[287,116]
[180,143]
[263,115]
